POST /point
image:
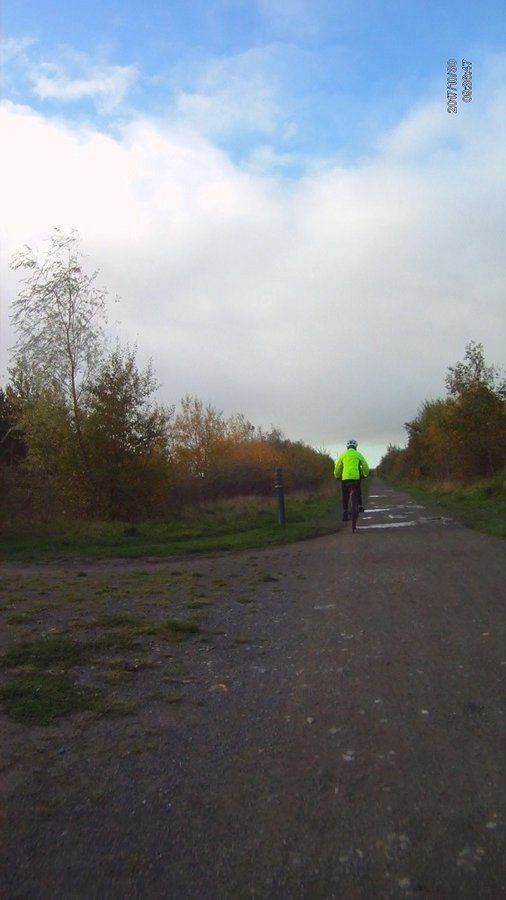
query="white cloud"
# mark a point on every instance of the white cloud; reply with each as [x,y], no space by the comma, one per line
[69,76]
[331,306]
[14,48]
[235,94]
[419,131]
[79,77]
[265,160]
[109,86]
[296,17]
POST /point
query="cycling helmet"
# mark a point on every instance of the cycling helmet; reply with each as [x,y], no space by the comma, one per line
[351,443]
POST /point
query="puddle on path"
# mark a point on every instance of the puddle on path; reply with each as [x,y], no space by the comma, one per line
[443,520]
[389,525]
[396,510]
[423,520]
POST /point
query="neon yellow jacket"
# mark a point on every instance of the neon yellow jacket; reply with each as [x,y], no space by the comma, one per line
[351,466]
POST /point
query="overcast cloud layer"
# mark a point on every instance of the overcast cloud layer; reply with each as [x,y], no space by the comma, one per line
[330,305]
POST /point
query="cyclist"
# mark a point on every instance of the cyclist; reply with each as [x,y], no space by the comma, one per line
[350,467]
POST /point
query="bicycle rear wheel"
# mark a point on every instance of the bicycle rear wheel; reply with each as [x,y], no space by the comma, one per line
[354,509]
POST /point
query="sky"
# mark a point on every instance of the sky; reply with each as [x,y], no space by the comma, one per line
[294,225]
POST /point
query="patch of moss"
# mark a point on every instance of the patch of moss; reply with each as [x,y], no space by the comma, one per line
[40,697]
[17,618]
[45,652]
[118,620]
[171,628]
[107,707]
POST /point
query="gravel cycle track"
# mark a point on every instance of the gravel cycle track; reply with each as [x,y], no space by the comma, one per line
[343,737]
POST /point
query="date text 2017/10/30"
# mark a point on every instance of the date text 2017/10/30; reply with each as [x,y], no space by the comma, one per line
[451,86]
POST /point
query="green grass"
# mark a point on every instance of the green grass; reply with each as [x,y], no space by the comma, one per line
[44,652]
[40,697]
[229,527]
[118,620]
[169,628]
[109,707]
[17,618]
[44,688]
[134,626]
[481,505]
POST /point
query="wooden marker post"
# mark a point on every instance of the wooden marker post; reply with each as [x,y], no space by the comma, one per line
[280,493]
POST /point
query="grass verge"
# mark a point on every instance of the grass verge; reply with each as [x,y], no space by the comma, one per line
[212,529]
[481,505]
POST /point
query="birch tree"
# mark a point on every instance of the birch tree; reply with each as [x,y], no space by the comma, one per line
[59,318]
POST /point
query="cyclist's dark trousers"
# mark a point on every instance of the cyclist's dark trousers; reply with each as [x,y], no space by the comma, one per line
[345,487]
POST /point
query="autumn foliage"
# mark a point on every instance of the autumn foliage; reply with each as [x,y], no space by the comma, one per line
[81,433]
[461,438]
[142,460]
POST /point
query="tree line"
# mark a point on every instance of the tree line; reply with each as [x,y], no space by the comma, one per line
[460,438]
[81,433]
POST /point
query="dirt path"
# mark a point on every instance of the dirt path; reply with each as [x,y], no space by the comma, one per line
[340,735]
